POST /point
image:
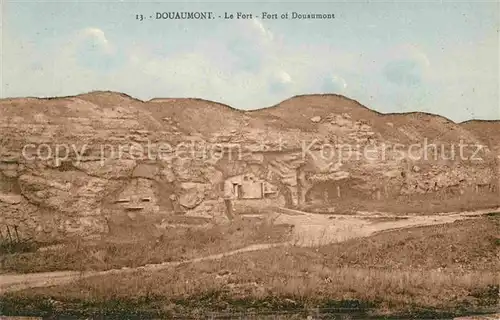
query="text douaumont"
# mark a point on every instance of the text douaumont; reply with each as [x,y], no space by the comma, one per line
[185,15]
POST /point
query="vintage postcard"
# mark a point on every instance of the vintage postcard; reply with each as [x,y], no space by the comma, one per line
[249,159]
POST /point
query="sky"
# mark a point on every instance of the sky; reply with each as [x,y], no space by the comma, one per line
[392,56]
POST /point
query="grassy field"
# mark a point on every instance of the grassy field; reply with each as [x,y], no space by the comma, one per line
[426,271]
[137,247]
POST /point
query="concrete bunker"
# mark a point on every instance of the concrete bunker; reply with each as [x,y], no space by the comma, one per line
[248,186]
[248,193]
[138,195]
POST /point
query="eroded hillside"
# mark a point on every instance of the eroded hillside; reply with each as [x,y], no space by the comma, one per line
[81,165]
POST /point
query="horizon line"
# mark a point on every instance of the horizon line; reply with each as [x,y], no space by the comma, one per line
[153,100]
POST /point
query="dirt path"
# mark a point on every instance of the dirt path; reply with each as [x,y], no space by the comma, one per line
[309,230]
[15,282]
[320,229]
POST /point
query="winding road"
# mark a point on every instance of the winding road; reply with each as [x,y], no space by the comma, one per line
[309,230]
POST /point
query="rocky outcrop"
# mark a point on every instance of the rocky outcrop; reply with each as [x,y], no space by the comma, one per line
[72,166]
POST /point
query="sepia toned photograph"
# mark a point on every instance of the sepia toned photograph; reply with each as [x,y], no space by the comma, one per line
[249,159]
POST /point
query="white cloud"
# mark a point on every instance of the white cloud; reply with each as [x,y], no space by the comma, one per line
[97,37]
[410,52]
[96,33]
[339,81]
[284,77]
[406,65]
[263,31]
